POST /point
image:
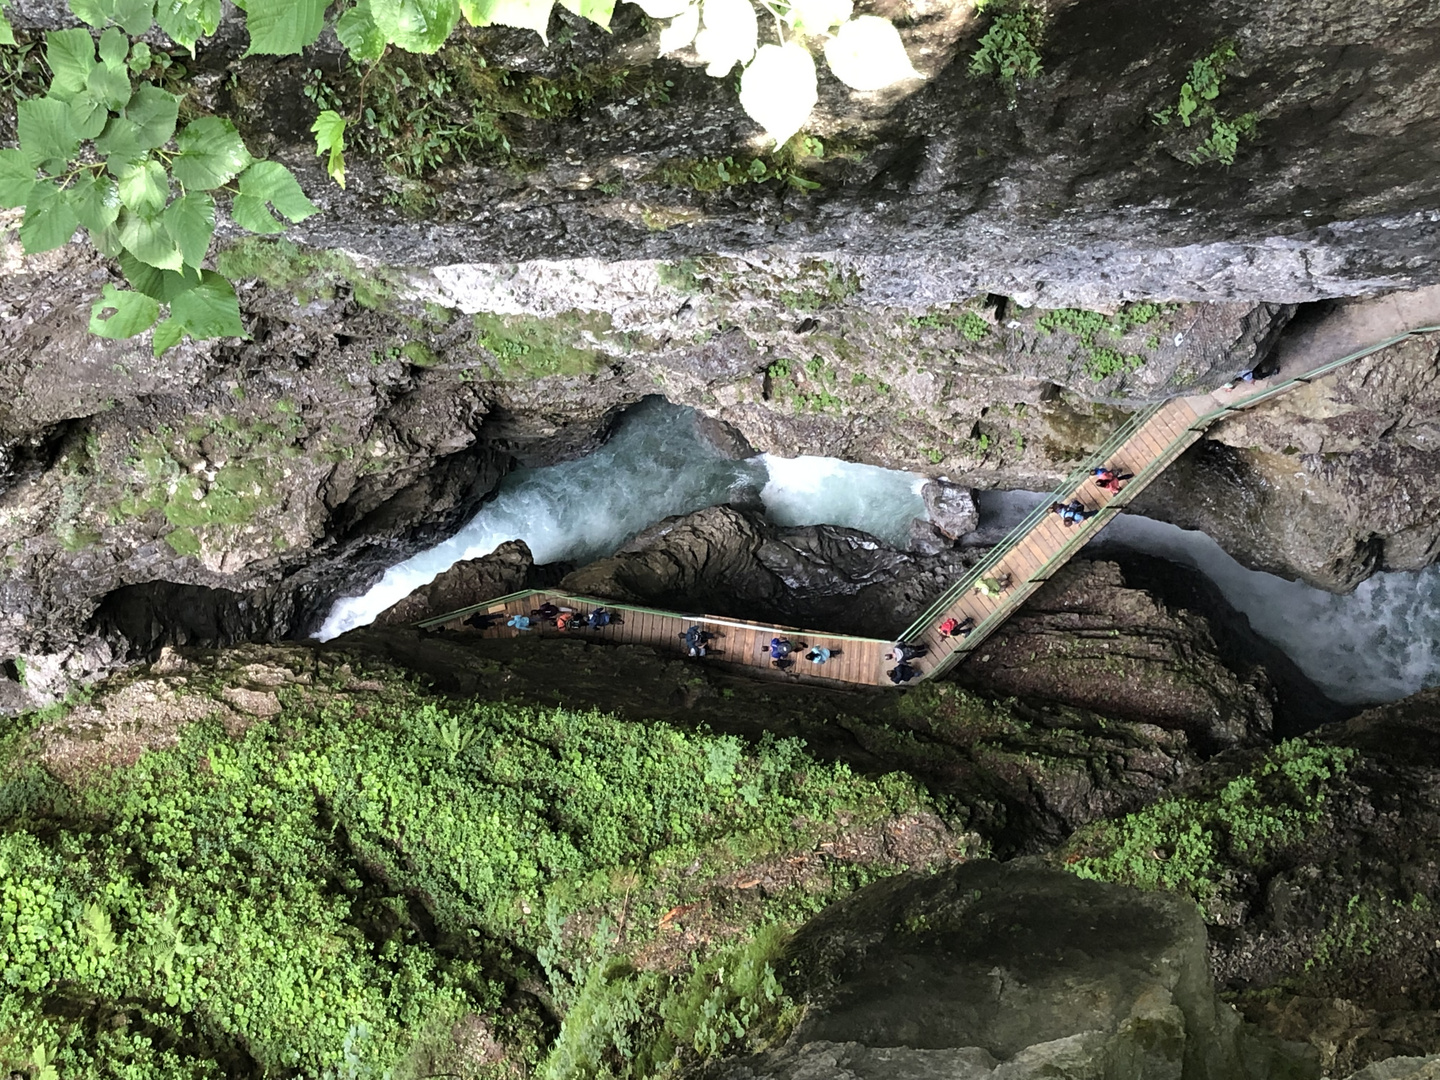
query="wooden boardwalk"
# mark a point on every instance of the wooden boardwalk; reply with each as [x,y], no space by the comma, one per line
[1002,581]
[735,643]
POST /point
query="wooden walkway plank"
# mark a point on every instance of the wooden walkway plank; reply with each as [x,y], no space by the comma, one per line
[1030,559]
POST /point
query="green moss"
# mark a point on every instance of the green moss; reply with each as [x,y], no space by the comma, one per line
[1101,361]
[419,354]
[527,347]
[335,887]
[1194,843]
[307,273]
[682,276]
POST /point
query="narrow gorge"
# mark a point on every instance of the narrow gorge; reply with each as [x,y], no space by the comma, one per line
[574,321]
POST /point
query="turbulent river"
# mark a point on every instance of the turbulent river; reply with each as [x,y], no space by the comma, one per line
[1380,643]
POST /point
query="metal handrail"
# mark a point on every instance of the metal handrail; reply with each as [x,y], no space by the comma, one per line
[996,554]
[615,605]
[992,558]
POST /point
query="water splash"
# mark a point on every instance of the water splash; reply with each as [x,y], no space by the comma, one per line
[1379,643]
[655,465]
[820,490]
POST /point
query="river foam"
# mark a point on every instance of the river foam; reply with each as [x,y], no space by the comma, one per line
[1380,643]
[654,466]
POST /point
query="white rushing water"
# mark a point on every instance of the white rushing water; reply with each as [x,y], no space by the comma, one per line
[1379,643]
[655,465]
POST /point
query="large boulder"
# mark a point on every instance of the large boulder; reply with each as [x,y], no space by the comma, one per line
[1316,863]
[509,568]
[729,562]
[1010,971]
[1153,643]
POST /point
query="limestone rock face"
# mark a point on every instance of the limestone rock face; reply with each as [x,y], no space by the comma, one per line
[951,508]
[727,562]
[1331,481]
[505,570]
[1009,971]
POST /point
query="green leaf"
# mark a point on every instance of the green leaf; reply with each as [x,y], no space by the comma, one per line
[17,178]
[149,241]
[269,181]
[140,59]
[167,336]
[114,47]
[163,285]
[45,133]
[94,13]
[134,313]
[50,220]
[329,131]
[597,11]
[71,55]
[282,27]
[144,187]
[154,113]
[357,31]
[96,200]
[109,83]
[135,17]
[187,21]
[88,115]
[209,310]
[191,221]
[211,154]
[7,35]
[524,14]
[107,242]
[120,144]
[250,213]
[419,26]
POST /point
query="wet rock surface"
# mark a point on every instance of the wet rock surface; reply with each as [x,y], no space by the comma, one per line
[1330,481]
[1115,639]
[509,568]
[1009,971]
[1317,892]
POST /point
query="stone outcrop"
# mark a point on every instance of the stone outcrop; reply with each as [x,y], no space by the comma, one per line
[729,562]
[984,972]
[1331,481]
[1093,638]
[1320,861]
[509,568]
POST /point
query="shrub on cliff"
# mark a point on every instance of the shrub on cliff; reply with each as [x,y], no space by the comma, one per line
[342,887]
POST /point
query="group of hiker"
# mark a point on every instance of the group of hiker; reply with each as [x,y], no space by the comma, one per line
[783,652]
[562,618]
[1075,512]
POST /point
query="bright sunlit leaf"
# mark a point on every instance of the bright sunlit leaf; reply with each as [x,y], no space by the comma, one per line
[818,16]
[778,91]
[681,31]
[866,54]
[728,36]
[662,9]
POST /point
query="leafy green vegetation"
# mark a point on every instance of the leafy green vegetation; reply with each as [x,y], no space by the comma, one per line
[1102,361]
[306,273]
[526,347]
[971,325]
[96,152]
[343,886]
[1194,843]
[1010,48]
[1196,107]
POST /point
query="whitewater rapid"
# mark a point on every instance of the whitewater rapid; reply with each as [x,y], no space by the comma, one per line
[1380,643]
[654,466]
